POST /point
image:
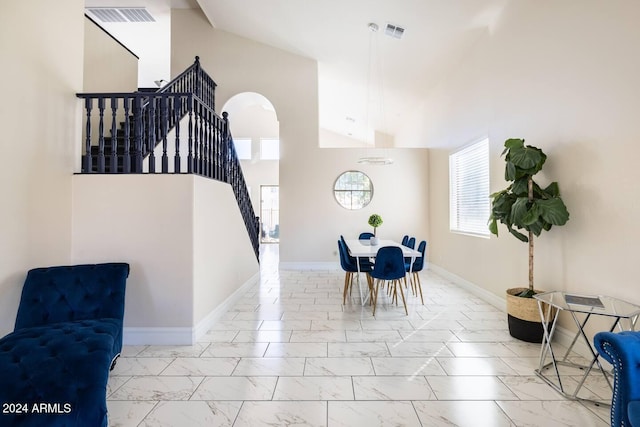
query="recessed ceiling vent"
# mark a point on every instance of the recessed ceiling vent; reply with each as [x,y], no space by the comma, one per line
[121,14]
[394,31]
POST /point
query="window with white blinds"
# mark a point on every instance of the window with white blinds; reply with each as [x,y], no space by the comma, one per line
[469,203]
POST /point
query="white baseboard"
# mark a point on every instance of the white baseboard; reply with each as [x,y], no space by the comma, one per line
[489,297]
[205,324]
[332,266]
[184,335]
[562,335]
[156,336]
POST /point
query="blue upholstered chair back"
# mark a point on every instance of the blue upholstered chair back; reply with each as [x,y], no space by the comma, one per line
[69,293]
[389,264]
[346,263]
[418,264]
[411,243]
[365,236]
[405,240]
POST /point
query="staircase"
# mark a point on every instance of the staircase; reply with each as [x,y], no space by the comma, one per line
[172,130]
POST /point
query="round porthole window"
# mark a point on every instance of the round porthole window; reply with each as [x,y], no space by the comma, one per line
[353,190]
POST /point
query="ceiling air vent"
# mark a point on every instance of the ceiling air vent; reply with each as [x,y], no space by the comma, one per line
[394,31]
[121,14]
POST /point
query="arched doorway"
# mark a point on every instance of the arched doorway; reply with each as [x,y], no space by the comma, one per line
[256,133]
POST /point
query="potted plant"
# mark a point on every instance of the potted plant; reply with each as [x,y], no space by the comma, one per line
[525,206]
[375,221]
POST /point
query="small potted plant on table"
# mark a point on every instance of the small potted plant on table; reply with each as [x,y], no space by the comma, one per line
[375,221]
[524,205]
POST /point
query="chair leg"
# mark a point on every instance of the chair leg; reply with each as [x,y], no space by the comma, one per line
[419,286]
[375,297]
[347,282]
[403,300]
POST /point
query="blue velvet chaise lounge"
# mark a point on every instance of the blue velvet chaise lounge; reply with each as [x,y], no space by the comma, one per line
[55,365]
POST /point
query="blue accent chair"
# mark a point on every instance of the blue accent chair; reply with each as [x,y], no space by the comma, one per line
[622,350]
[389,267]
[416,268]
[348,264]
[365,236]
[67,336]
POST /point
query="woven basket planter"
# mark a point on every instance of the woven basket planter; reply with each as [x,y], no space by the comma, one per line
[524,316]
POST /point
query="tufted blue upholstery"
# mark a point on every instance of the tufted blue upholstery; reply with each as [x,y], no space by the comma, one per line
[68,293]
[64,363]
[67,333]
[622,350]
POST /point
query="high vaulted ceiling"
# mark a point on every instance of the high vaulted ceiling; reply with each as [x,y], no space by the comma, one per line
[367,80]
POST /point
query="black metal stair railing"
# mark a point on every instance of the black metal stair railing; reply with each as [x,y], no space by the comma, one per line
[173,130]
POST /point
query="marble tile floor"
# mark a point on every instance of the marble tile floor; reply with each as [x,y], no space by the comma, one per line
[289,353]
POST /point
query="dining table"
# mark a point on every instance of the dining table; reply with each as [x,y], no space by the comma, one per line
[364,249]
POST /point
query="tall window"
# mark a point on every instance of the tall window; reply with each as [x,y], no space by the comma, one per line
[469,203]
[269,148]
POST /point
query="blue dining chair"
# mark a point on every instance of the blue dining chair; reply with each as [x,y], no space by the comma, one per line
[348,264]
[365,263]
[416,268]
[389,267]
[411,242]
[405,240]
[365,236]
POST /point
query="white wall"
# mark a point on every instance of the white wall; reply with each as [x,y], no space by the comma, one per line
[310,219]
[564,76]
[42,56]
[108,66]
[167,227]
[223,258]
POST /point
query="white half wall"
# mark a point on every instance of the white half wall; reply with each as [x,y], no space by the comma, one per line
[183,238]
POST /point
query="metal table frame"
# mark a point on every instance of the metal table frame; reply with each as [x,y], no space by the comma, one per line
[587,305]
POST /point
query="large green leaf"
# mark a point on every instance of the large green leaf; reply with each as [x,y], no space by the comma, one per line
[532,214]
[528,159]
[520,187]
[554,211]
[518,235]
[519,211]
[512,143]
[536,227]
[493,225]
[509,171]
[552,190]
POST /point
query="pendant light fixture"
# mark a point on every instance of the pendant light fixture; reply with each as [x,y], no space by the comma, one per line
[374,64]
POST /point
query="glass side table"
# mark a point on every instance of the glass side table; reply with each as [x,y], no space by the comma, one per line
[578,306]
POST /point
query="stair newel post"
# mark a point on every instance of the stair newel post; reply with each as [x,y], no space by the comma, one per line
[225,147]
[218,152]
[126,159]
[190,139]
[197,148]
[202,151]
[177,104]
[138,132]
[164,125]
[86,167]
[101,135]
[114,135]
[211,137]
[213,94]
[198,82]
[151,135]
